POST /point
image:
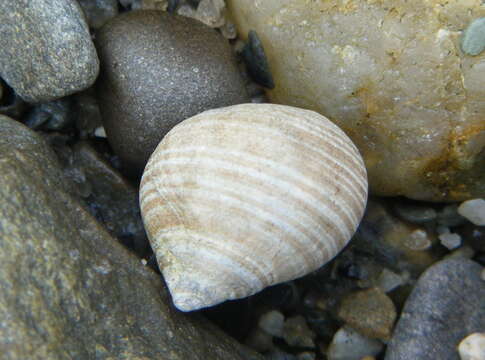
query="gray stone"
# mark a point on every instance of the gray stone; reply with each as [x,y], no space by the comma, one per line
[445,306]
[112,199]
[47,52]
[157,70]
[99,11]
[52,115]
[449,216]
[68,290]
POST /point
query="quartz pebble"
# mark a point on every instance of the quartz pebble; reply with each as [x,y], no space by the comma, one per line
[473,210]
[418,240]
[472,347]
[413,105]
[272,322]
[450,241]
[348,344]
[47,52]
[187,68]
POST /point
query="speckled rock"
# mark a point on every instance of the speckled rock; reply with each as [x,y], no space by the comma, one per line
[370,312]
[157,70]
[412,104]
[68,290]
[47,52]
[445,306]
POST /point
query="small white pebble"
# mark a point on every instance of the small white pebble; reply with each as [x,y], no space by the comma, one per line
[418,240]
[472,347]
[100,132]
[450,241]
[473,210]
[144,262]
[272,322]
[389,280]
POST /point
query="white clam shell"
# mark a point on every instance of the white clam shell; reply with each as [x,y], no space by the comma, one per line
[243,197]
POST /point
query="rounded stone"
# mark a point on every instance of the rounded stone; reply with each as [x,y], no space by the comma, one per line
[444,307]
[412,104]
[158,69]
[47,52]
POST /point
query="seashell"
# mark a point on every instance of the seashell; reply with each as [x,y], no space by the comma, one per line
[243,197]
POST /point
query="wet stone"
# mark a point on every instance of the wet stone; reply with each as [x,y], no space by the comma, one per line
[187,68]
[371,312]
[445,306]
[88,297]
[53,56]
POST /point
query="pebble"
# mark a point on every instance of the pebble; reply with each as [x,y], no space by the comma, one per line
[370,311]
[473,210]
[414,213]
[52,56]
[272,322]
[473,38]
[389,280]
[445,305]
[256,61]
[187,68]
[53,115]
[209,12]
[99,11]
[100,132]
[297,333]
[450,241]
[418,240]
[348,344]
[472,347]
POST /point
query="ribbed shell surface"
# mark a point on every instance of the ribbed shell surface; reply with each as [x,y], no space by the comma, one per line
[243,197]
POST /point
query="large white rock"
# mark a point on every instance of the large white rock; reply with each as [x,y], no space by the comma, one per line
[391,73]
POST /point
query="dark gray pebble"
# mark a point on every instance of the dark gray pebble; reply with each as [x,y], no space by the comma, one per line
[256,61]
[446,305]
[47,52]
[99,11]
[157,70]
[53,115]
